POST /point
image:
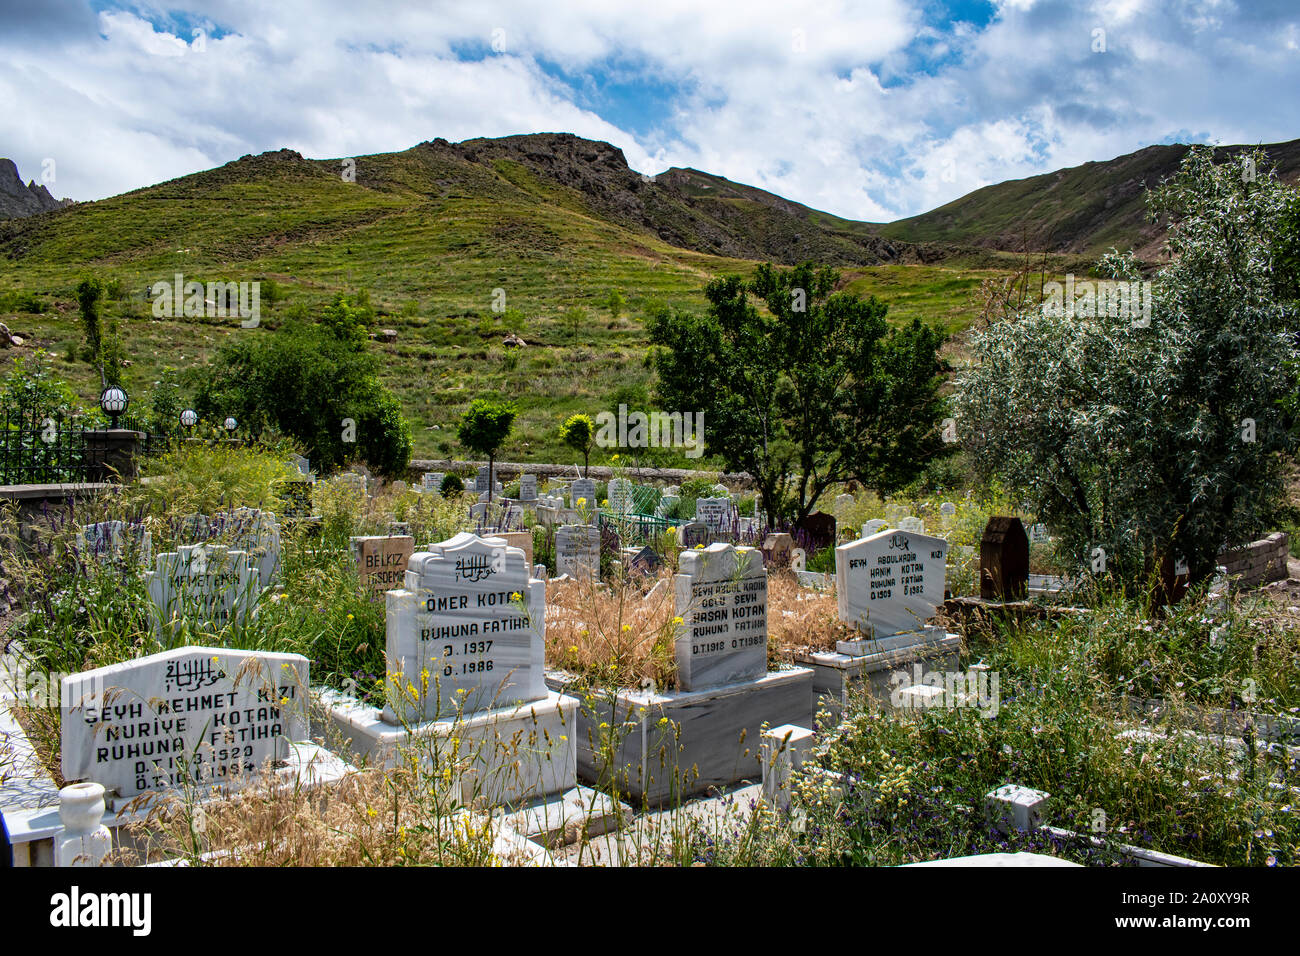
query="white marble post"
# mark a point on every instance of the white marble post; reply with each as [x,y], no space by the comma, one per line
[84,841]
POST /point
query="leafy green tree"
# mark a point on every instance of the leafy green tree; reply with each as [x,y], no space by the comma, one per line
[817,384]
[573,319]
[313,385]
[1145,438]
[579,433]
[484,429]
[90,295]
[615,303]
[348,318]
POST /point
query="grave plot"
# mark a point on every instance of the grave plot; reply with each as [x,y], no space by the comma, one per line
[199,720]
[887,588]
[464,647]
[658,743]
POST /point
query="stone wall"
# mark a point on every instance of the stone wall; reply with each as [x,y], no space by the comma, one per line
[1259,562]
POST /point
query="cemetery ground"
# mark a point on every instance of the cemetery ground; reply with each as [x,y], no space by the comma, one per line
[1171,732]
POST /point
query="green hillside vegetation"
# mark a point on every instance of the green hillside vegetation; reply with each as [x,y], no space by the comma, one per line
[1084,210]
[556,222]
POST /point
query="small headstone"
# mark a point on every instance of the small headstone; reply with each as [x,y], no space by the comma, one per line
[577,550]
[693,533]
[114,541]
[194,528]
[720,491]
[798,560]
[527,487]
[399,487]
[583,490]
[666,504]
[301,464]
[819,528]
[717,513]
[620,496]
[399,527]
[721,597]
[778,548]
[874,526]
[672,490]
[256,533]
[472,619]
[193,715]
[947,514]
[432,480]
[297,495]
[912,525]
[483,480]
[1038,534]
[381,561]
[644,561]
[523,540]
[890,583]
[1004,560]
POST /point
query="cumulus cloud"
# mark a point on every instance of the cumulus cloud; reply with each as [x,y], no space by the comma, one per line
[870,110]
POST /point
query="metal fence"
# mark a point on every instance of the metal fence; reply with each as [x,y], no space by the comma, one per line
[38,448]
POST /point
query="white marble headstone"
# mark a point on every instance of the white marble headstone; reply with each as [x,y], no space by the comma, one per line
[721,597]
[257,534]
[466,633]
[874,526]
[912,524]
[203,584]
[192,714]
[891,582]
[714,512]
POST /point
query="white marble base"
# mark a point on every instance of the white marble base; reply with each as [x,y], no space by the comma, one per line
[510,755]
[677,744]
[34,824]
[837,676]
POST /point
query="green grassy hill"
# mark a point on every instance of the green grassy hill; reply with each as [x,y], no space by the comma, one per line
[1083,210]
[555,221]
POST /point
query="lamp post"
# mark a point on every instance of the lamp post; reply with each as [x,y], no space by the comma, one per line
[111,452]
[113,400]
[189,418]
[231,425]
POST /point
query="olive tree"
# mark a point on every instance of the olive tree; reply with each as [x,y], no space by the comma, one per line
[1151,437]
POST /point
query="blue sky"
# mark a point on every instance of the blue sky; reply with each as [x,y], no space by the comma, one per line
[870,109]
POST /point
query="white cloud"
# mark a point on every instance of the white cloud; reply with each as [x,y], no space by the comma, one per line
[834,115]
